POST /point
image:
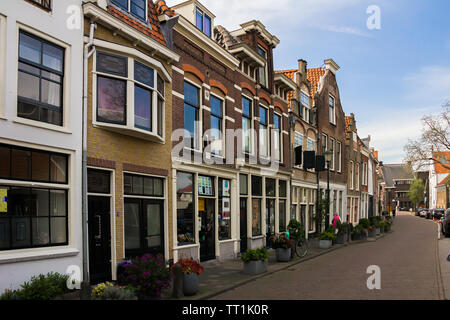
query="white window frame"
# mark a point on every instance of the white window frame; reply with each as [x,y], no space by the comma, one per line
[280,137]
[339,158]
[332,118]
[199,129]
[267,155]
[302,145]
[198,9]
[352,175]
[266,80]
[222,133]
[333,149]
[357,178]
[252,125]
[129,125]
[66,97]
[2,66]
[129,10]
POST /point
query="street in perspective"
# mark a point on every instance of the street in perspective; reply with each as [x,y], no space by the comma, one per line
[184,154]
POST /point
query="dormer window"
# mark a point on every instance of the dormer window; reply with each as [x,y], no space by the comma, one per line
[137,8]
[203,22]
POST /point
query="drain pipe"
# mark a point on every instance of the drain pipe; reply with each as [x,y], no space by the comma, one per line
[87,55]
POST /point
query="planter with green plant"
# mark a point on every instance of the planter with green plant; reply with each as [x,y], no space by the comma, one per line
[255,261]
[371,232]
[107,291]
[378,225]
[326,240]
[191,271]
[283,246]
[342,235]
[359,233]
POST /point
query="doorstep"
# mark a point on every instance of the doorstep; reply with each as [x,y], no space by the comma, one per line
[219,277]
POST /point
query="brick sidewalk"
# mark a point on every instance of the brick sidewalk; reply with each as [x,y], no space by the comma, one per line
[219,277]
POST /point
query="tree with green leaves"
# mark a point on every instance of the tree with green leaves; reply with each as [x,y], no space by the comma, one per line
[416,192]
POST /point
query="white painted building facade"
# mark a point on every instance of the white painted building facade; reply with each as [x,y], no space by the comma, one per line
[41,83]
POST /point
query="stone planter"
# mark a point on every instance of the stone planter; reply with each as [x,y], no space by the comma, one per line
[341,238]
[359,236]
[190,284]
[325,244]
[372,234]
[378,231]
[283,255]
[255,267]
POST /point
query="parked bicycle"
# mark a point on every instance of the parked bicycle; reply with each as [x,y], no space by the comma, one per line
[297,234]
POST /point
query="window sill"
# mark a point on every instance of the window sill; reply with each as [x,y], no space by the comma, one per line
[228,240]
[41,125]
[186,246]
[257,237]
[36,254]
[129,131]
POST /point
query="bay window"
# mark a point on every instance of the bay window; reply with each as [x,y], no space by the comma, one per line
[40,80]
[126,86]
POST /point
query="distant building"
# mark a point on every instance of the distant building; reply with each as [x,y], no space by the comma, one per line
[397,179]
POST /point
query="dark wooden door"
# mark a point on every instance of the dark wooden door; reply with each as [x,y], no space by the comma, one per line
[99,224]
[243,224]
[207,233]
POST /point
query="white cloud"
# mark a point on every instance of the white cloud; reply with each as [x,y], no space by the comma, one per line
[430,84]
[348,30]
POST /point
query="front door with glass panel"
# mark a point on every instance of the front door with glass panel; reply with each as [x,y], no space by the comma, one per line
[99,239]
[144,227]
[270,220]
[207,231]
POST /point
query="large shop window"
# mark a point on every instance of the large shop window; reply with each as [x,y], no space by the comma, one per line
[224,209]
[113,77]
[185,208]
[33,216]
[246,124]
[216,126]
[191,115]
[40,80]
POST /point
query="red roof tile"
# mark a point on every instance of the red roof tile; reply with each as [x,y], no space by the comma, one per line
[442,157]
[163,8]
[290,75]
[154,31]
[314,75]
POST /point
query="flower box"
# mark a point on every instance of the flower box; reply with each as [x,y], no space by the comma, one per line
[283,255]
[325,244]
[255,267]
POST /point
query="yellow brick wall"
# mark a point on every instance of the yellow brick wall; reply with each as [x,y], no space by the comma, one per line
[107,145]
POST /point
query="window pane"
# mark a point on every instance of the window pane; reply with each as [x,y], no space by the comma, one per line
[282,188]
[246,134]
[41,234]
[28,86]
[112,64]
[270,187]
[160,116]
[127,184]
[199,19]
[58,230]
[276,120]
[121,3]
[27,110]
[51,93]
[185,208]
[256,217]
[158,187]
[224,219]
[51,76]
[53,57]
[111,100]
[21,164]
[19,202]
[138,185]
[148,186]
[160,85]
[243,184]
[132,229]
[138,8]
[4,233]
[40,200]
[58,203]
[40,166]
[29,48]
[191,94]
[20,232]
[207,26]
[256,186]
[282,215]
[216,106]
[51,116]
[99,181]
[246,107]
[5,162]
[262,115]
[58,168]
[142,108]
[190,118]
[144,74]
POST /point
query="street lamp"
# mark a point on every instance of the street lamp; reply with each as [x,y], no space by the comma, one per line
[328,157]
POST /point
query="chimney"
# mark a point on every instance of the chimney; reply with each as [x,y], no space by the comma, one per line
[302,64]
[331,65]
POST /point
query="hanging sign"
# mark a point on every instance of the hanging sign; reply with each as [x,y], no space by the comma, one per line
[3,200]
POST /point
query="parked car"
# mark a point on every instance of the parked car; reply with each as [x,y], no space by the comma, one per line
[424,213]
[438,213]
[445,224]
[419,211]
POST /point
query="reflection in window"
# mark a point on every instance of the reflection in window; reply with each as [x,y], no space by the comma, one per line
[224,209]
[185,208]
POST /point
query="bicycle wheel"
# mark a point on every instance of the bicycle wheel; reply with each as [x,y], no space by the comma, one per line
[301,249]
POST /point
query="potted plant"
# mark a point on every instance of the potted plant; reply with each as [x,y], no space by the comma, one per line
[191,271]
[255,261]
[378,227]
[283,246]
[326,240]
[358,233]
[371,232]
[147,276]
[342,232]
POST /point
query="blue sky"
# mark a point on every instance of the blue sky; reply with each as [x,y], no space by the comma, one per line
[389,78]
